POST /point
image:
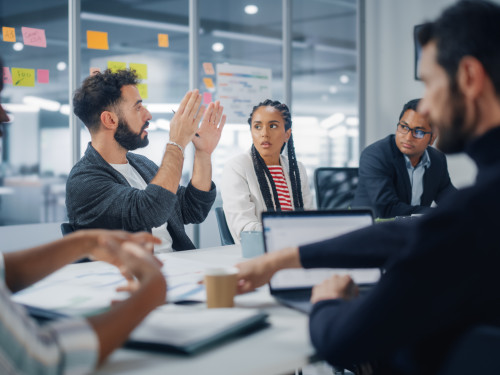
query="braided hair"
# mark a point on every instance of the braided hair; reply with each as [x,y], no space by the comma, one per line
[262,171]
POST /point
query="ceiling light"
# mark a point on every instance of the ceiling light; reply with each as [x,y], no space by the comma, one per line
[61,65]
[251,9]
[218,47]
[64,109]
[48,105]
[352,121]
[333,89]
[344,78]
[18,46]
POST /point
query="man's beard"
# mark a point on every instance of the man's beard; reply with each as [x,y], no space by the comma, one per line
[128,139]
[453,138]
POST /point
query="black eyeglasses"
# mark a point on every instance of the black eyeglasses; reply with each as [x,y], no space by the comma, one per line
[417,133]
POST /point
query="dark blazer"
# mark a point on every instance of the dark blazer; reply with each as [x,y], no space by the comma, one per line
[385,186]
[441,279]
[98,196]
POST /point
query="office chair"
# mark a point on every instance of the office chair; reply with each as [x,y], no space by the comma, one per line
[335,187]
[475,352]
[225,235]
[66,228]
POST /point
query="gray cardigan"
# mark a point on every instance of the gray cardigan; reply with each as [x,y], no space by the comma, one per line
[98,196]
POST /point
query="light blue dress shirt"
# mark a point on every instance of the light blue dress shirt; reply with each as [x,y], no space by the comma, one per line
[416,175]
[66,346]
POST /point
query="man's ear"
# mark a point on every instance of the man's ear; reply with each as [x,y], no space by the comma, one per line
[471,77]
[109,120]
[433,138]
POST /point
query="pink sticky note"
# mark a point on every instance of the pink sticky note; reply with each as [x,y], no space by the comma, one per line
[7,77]
[43,75]
[208,68]
[207,98]
[34,37]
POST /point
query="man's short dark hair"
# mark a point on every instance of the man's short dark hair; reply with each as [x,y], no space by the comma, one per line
[99,92]
[412,104]
[468,28]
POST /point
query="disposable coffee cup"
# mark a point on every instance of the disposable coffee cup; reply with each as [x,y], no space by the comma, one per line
[252,243]
[220,284]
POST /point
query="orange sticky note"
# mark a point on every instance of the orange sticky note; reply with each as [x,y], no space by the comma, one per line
[97,39]
[9,34]
[143,90]
[43,75]
[7,77]
[208,83]
[116,66]
[208,68]
[163,40]
[23,77]
[34,37]
[140,69]
[94,70]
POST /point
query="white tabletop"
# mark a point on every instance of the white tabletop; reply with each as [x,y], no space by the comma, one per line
[280,348]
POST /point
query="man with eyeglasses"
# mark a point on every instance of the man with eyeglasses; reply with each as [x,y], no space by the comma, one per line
[401,174]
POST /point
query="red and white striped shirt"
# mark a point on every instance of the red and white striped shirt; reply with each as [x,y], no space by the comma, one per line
[281,187]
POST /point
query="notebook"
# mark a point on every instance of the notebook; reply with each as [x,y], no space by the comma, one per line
[292,287]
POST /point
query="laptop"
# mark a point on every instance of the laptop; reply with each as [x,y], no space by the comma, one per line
[292,287]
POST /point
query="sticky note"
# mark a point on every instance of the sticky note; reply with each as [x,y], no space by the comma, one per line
[97,39]
[208,68]
[43,75]
[141,70]
[7,77]
[34,37]
[9,34]
[23,77]
[116,65]
[163,40]
[208,83]
[143,90]
[94,70]
[207,98]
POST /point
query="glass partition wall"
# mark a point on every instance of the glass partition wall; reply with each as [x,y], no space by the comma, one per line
[236,39]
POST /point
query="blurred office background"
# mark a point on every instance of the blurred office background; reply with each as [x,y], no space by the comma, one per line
[344,66]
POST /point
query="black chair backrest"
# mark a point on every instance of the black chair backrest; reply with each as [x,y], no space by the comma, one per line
[225,235]
[335,187]
[66,228]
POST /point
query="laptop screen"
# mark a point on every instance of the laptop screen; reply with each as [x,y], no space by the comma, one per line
[297,228]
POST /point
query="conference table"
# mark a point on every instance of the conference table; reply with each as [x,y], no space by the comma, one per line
[281,348]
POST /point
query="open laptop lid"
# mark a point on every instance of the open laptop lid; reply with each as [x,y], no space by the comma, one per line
[297,228]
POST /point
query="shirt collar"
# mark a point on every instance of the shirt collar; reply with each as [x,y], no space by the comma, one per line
[425,161]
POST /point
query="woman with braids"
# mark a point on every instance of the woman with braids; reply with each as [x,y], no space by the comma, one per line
[262,179]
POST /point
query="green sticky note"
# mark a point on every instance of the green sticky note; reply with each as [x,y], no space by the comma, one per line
[23,77]
[140,69]
[143,90]
[116,66]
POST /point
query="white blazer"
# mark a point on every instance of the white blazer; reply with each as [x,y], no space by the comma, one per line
[242,199]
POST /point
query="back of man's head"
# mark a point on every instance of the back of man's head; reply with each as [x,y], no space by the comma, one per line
[412,104]
[468,28]
[100,92]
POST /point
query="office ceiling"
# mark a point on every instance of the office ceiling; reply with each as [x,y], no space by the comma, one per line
[324,40]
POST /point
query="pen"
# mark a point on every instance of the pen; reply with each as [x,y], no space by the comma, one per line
[196,134]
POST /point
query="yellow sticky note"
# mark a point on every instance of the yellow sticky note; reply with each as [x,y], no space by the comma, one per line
[143,90]
[140,69]
[163,40]
[116,66]
[208,83]
[97,39]
[9,34]
[23,77]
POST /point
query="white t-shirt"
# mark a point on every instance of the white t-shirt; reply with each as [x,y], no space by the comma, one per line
[135,180]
